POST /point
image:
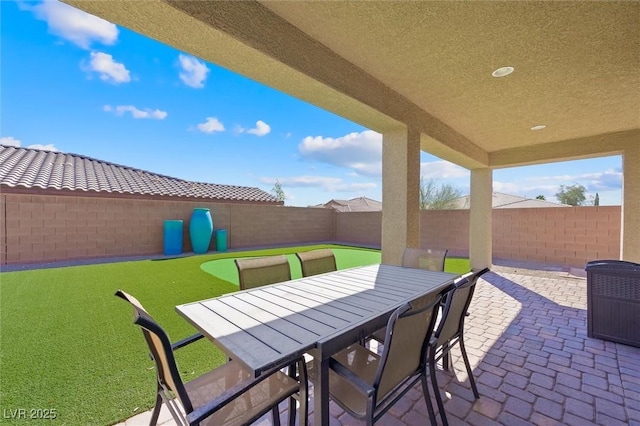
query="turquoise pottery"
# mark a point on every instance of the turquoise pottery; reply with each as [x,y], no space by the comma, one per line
[200,230]
[172,237]
[221,240]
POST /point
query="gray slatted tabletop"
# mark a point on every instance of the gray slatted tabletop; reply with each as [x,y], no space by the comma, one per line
[271,326]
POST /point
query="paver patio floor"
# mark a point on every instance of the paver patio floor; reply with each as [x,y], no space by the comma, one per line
[526,337]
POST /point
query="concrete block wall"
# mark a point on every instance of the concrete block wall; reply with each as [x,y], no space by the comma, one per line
[561,236]
[566,236]
[44,228]
[448,229]
[363,228]
[41,228]
[264,225]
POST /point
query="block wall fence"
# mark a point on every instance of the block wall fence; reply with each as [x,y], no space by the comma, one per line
[50,228]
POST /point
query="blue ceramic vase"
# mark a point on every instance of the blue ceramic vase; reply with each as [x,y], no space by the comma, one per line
[200,230]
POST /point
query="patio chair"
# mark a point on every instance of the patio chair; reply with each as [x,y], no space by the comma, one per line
[227,395]
[261,271]
[429,258]
[450,332]
[316,262]
[367,385]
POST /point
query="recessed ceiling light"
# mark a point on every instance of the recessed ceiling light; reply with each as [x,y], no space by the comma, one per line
[501,72]
[539,127]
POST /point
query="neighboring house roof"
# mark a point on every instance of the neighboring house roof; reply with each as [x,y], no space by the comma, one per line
[360,204]
[508,201]
[37,169]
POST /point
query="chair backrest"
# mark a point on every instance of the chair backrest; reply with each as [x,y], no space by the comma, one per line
[429,258]
[408,332]
[457,304]
[261,271]
[316,262]
[161,352]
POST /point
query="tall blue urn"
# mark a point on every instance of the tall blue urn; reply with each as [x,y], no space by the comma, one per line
[200,230]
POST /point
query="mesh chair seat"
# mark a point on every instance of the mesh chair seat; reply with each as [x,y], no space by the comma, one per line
[316,262]
[246,407]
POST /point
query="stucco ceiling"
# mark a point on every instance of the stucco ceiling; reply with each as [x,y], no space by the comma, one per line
[428,65]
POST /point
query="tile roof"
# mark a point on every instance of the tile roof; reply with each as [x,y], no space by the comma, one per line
[32,168]
[360,204]
[508,201]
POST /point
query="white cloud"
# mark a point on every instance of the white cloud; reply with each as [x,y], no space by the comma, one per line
[442,170]
[329,184]
[355,187]
[154,114]
[47,147]
[261,129]
[194,72]
[108,69]
[529,190]
[11,141]
[609,179]
[302,181]
[361,152]
[211,125]
[73,24]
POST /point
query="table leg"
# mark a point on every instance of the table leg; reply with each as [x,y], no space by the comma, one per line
[321,391]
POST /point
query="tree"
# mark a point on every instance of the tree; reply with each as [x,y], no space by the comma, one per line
[540,197]
[574,195]
[436,196]
[277,191]
[596,201]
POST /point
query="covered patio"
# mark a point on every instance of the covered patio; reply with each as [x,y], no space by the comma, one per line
[433,76]
[534,364]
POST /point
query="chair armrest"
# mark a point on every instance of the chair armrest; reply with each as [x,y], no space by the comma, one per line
[186,341]
[340,369]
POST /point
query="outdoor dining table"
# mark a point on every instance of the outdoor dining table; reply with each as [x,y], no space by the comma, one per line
[274,325]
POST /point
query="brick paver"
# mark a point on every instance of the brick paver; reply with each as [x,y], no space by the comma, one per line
[533,362]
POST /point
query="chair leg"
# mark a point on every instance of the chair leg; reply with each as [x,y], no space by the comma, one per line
[436,388]
[156,410]
[446,357]
[276,416]
[427,399]
[468,365]
[369,420]
[292,401]
[303,410]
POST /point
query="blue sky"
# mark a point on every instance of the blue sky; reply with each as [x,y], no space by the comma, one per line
[77,84]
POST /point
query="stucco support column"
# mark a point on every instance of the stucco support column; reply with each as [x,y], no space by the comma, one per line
[400,193]
[630,229]
[480,231]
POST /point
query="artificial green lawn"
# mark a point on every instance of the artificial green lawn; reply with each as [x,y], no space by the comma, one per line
[68,344]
